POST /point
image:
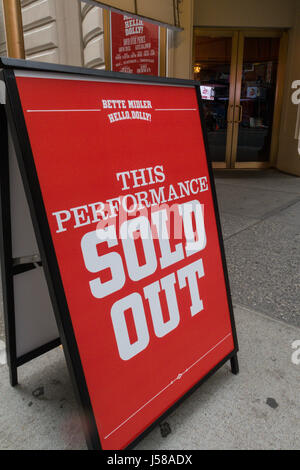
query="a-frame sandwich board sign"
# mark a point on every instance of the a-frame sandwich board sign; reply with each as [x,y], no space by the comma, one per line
[123,203]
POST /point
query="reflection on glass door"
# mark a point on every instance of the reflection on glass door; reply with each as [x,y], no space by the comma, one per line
[257,98]
[213,67]
[237,71]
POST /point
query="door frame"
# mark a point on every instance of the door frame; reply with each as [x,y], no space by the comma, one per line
[234,34]
[238,36]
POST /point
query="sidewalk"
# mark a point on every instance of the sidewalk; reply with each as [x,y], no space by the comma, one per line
[257,409]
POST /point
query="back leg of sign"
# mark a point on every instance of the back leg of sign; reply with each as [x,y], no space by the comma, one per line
[13,376]
[234,364]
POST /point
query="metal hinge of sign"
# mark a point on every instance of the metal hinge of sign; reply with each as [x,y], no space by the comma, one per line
[27,260]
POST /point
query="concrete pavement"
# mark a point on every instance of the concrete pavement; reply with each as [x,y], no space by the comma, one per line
[260,212]
[259,408]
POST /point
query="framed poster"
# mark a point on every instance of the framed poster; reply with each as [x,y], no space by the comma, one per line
[135,45]
[123,203]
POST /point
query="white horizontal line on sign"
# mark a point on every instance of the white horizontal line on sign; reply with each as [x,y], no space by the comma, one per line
[63,110]
[177,378]
[178,109]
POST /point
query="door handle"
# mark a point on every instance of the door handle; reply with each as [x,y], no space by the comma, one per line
[240,113]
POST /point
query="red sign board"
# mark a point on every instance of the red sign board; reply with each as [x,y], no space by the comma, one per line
[129,201]
[134,45]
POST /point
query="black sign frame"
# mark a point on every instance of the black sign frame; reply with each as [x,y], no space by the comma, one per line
[27,168]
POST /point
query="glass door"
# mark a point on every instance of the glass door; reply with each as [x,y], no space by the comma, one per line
[238,71]
[215,58]
[257,67]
